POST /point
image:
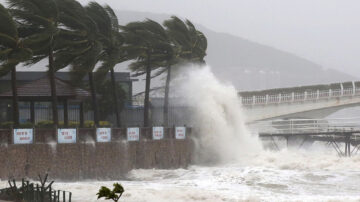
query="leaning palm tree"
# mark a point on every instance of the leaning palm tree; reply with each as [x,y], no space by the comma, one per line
[112,41]
[83,48]
[147,43]
[12,52]
[39,22]
[188,44]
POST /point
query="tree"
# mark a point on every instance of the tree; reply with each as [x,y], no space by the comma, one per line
[85,47]
[39,22]
[147,43]
[107,101]
[189,45]
[114,53]
[12,52]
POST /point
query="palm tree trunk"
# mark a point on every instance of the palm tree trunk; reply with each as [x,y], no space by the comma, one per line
[147,92]
[15,101]
[113,83]
[94,100]
[54,101]
[166,99]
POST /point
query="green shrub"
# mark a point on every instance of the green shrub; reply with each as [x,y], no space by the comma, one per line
[45,124]
[26,125]
[89,124]
[108,194]
[74,124]
[8,124]
[104,124]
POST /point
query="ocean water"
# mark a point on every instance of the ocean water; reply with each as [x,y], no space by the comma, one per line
[270,176]
[288,175]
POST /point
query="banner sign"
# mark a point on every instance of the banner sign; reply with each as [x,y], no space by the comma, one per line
[133,134]
[66,135]
[158,133]
[103,134]
[180,132]
[23,136]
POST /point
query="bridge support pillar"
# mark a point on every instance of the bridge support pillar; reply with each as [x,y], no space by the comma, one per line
[287,142]
[347,145]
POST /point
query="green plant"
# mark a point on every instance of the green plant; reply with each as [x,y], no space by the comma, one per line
[45,124]
[89,124]
[108,194]
[26,125]
[73,124]
[104,124]
[8,124]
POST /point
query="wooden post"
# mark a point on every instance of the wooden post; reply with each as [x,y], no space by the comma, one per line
[66,114]
[32,112]
[81,114]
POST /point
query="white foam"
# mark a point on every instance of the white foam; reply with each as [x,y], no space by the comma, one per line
[217,116]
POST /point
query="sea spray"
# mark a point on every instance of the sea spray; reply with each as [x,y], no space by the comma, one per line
[218,121]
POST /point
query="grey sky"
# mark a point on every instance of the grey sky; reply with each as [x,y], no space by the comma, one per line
[324,31]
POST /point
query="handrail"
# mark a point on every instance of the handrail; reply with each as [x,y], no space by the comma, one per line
[296,126]
[299,97]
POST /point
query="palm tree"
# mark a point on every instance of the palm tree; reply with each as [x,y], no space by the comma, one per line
[147,43]
[39,22]
[189,45]
[112,41]
[85,47]
[12,52]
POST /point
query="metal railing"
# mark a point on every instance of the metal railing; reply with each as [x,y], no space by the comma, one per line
[301,126]
[299,97]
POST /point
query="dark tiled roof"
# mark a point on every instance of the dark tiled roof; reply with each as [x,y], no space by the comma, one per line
[34,75]
[41,88]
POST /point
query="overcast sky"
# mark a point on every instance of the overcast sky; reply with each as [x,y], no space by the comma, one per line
[324,31]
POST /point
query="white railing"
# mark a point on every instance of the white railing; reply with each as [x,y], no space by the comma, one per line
[299,97]
[296,126]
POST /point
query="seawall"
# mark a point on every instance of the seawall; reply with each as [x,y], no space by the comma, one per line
[88,159]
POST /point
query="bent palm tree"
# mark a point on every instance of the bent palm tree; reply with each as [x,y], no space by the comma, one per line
[189,45]
[39,22]
[84,48]
[112,41]
[12,52]
[148,43]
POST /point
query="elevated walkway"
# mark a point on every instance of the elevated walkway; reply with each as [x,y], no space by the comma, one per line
[299,131]
[316,101]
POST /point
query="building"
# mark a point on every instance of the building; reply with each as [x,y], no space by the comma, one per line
[43,110]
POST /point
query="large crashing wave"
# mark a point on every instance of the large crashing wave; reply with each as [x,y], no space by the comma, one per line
[219,123]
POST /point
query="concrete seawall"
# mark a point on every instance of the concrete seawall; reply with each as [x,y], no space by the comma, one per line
[80,161]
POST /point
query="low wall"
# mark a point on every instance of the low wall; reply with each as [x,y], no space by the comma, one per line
[88,159]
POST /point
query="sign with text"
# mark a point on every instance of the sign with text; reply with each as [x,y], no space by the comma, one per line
[103,134]
[23,136]
[66,135]
[133,134]
[180,132]
[158,133]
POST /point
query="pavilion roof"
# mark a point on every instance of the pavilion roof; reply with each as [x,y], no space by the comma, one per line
[40,89]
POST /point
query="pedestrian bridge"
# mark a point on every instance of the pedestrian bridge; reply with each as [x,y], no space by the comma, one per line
[296,133]
[317,101]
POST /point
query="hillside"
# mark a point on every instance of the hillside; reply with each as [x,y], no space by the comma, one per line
[249,65]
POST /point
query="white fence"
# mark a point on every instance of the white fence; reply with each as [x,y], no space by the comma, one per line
[296,126]
[298,97]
